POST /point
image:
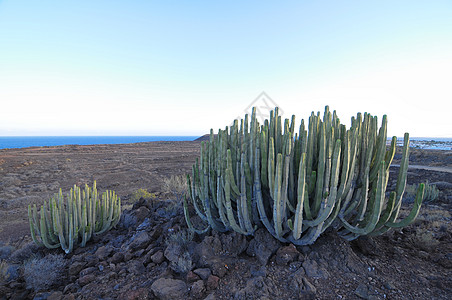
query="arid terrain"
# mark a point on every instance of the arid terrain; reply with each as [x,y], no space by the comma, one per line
[149,255]
[32,175]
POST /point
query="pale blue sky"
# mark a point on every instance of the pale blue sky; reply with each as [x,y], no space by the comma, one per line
[181,68]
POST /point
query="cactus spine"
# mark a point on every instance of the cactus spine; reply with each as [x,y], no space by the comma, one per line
[72,220]
[297,185]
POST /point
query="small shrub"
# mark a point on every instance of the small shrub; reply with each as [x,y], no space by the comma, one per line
[181,238]
[5,251]
[41,274]
[410,193]
[183,265]
[3,271]
[431,192]
[141,193]
[26,252]
[425,239]
[176,185]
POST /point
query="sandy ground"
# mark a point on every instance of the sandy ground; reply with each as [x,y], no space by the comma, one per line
[32,175]
[409,263]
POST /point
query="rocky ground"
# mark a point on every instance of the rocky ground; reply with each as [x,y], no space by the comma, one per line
[151,255]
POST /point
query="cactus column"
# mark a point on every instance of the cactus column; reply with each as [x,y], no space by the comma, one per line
[72,220]
[297,185]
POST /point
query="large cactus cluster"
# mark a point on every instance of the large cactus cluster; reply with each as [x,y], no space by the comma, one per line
[296,185]
[72,220]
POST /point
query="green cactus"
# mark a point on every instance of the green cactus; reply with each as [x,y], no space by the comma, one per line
[297,185]
[431,192]
[72,220]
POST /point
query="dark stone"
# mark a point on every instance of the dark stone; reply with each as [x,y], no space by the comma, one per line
[173,252]
[145,225]
[389,286]
[128,256]
[233,244]
[91,260]
[140,240]
[362,291]
[103,252]
[309,287]
[88,271]
[197,289]
[169,289]
[258,271]
[71,288]
[293,266]
[82,281]
[130,219]
[158,257]
[117,258]
[210,246]
[262,246]
[217,265]
[313,270]
[55,296]
[192,277]
[286,255]
[212,282]
[41,296]
[139,253]
[255,289]
[296,279]
[204,273]
[19,295]
[156,232]
[141,214]
[136,267]
[138,294]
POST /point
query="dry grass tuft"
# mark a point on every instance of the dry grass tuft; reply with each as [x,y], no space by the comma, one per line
[176,185]
[41,274]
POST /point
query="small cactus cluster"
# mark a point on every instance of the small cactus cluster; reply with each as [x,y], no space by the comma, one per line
[297,185]
[72,220]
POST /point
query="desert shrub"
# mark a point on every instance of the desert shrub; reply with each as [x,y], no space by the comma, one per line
[425,239]
[176,185]
[181,238]
[3,271]
[141,193]
[5,251]
[26,252]
[171,209]
[41,274]
[183,265]
[410,193]
[431,192]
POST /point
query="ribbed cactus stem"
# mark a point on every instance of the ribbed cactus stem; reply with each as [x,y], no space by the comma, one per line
[296,185]
[71,220]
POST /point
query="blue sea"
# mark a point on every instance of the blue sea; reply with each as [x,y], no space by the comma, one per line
[428,143]
[39,141]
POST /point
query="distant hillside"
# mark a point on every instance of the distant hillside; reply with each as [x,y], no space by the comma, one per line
[205,137]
